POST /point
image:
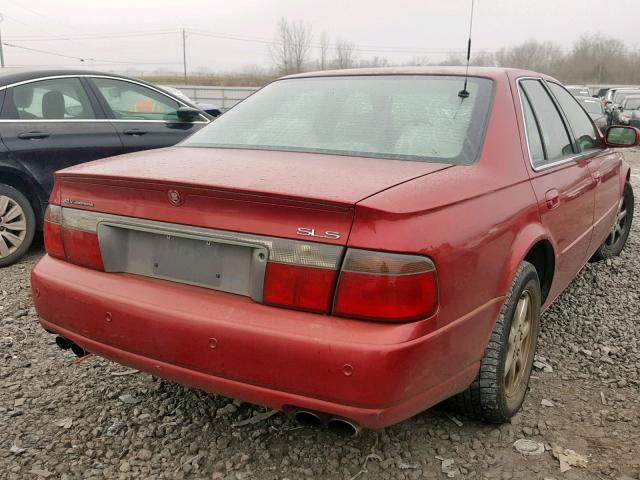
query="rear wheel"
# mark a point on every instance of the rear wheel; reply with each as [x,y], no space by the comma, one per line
[617,238]
[17,225]
[499,389]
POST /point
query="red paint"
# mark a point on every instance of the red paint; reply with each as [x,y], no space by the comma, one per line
[476,223]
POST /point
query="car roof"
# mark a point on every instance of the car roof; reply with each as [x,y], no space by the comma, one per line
[9,76]
[591,99]
[490,72]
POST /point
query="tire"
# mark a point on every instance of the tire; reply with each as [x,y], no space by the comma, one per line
[494,397]
[17,225]
[617,238]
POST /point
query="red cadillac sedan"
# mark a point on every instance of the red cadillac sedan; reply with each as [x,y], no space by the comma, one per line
[351,246]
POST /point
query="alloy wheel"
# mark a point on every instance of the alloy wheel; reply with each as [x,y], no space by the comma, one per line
[519,345]
[13,226]
[618,229]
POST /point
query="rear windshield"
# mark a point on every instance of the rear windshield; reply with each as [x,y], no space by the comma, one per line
[396,117]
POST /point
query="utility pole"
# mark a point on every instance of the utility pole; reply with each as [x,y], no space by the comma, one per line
[1,45]
[184,54]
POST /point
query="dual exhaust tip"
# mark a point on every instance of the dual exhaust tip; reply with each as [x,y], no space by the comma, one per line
[340,426]
[307,418]
[66,344]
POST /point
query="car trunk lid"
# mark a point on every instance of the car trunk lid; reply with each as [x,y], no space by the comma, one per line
[261,192]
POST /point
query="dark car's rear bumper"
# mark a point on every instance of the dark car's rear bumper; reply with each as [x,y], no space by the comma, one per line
[283,359]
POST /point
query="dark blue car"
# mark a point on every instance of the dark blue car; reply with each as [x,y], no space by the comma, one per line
[54,119]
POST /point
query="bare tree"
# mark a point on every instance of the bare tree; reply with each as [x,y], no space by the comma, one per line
[324,51]
[291,47]
[345,54]
[534,55]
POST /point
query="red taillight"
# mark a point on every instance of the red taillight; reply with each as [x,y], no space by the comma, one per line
[82,248]
[383,286]
[297,286]
[53,231]
[70,235]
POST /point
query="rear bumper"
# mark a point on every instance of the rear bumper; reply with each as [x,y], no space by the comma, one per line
[375,374]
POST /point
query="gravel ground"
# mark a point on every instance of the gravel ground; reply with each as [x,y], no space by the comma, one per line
[95,419]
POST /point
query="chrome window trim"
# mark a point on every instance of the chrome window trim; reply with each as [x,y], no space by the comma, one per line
[56,77]
[101,120]
[526,135]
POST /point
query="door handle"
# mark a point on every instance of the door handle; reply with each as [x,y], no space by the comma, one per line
[136,132]
[32,135]
[552,198]
[597,176]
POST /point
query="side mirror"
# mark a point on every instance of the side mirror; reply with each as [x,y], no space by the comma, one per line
[188,114]
[621,136]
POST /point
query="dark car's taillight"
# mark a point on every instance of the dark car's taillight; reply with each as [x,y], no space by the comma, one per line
[71,235]
[386,286]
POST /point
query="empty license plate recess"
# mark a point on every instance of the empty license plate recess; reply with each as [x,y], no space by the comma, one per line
[184,257]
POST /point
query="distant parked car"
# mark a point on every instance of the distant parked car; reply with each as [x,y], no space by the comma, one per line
[602,92]
[617,99]
[595,109]
[352,247]
[630,111]
[578,90]
[209,108]
[57,118]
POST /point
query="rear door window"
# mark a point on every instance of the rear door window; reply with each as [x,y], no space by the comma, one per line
[130,101]
[584,131]
[53,99]
[556,142]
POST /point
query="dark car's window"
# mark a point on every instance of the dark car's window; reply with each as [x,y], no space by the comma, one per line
[556,141]
[130,101]
[536,150]
[583,128]
[54,99]
[397,117]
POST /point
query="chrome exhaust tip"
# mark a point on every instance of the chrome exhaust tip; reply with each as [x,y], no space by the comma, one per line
[63,343]
[78,351]
[343,427]
[66,344]
[307,418]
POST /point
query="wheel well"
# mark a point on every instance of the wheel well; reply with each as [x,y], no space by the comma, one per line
[541,256]
[27,190]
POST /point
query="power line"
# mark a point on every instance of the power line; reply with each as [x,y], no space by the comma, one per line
[35,12]
[87,59]
[96,36]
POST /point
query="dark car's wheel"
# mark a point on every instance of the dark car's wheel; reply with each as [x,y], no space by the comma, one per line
[617,238]
[499,389]
[17,225]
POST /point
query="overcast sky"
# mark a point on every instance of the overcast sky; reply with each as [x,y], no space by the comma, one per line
[393,29]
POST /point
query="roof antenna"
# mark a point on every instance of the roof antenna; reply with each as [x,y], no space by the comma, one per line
[464,93]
